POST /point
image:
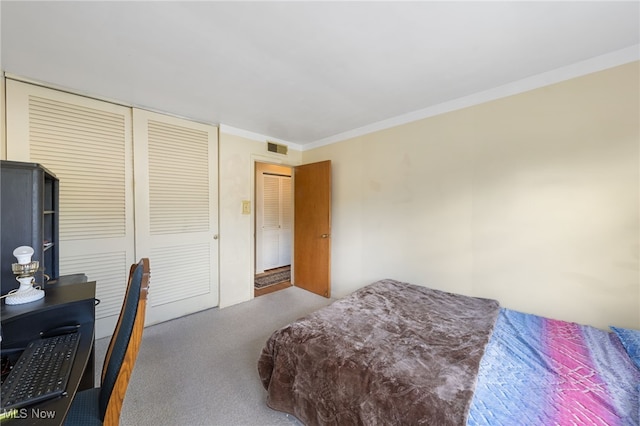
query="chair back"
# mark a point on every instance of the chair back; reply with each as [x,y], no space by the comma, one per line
[124,345]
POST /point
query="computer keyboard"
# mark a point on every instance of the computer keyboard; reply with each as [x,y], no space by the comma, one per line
[41,372]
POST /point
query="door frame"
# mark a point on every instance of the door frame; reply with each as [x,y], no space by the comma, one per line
[257,158]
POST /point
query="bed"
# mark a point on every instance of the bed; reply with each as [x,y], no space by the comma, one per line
[394,353]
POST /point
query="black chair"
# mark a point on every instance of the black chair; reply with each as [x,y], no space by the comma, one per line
[102,405]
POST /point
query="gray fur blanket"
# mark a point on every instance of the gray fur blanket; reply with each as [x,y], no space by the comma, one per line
[391,353]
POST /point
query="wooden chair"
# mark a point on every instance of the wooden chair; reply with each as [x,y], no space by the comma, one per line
[102,405]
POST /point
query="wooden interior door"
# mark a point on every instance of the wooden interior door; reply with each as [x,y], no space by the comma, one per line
[312,227]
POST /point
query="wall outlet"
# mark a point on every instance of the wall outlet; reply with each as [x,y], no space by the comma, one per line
[246,207]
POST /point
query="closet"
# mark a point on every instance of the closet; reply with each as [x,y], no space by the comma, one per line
[274,216]
[132,184]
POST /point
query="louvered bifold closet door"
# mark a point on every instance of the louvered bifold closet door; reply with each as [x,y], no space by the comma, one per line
[286,221]
[87,144]
[176,212]
[274,222]
[270,221]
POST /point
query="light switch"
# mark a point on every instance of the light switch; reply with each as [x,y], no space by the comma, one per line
[246,207]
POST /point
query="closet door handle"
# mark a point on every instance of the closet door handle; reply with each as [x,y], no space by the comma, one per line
[324,236]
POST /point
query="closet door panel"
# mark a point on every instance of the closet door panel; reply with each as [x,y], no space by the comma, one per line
[286,221]
[270,221]
[274,221]
[176,212]
[87,144]
[3,122]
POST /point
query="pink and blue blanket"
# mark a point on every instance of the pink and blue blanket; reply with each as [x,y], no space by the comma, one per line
[539,371]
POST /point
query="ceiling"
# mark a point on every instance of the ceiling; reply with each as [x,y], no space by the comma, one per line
[307,72]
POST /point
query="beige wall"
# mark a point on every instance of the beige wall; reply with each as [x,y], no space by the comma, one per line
[237,158]
[532,199]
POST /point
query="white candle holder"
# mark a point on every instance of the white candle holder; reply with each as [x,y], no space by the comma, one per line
[24,270]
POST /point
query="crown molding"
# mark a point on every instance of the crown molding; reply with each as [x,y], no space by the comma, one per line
[256,136]
[598,63]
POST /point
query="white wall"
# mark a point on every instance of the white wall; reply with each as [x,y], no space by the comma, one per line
[237,159]
[532,199]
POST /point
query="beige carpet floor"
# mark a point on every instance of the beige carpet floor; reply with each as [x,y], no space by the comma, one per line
[202,369]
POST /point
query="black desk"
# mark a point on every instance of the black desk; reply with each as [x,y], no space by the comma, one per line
[62,305]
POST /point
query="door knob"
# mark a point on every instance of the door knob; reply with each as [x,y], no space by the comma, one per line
[215,237]
[324,235]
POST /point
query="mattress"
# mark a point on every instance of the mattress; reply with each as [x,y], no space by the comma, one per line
[395,353]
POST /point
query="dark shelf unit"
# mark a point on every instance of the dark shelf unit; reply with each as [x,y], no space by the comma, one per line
[29,217]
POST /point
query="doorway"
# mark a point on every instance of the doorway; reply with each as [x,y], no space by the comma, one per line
[274,227]
[309,241]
